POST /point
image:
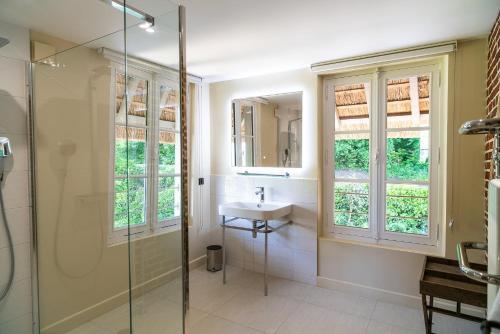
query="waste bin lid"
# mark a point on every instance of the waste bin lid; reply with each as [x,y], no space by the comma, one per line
[214,247]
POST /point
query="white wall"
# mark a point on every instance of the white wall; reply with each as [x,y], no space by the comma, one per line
[378,272]
[201,229]
[342,265]
[16,310]
[293,249]
[221,95]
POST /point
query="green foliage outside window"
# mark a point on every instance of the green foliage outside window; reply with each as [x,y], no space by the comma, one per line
[403,160]
[137,186]
[351,204]
[166,198]
[407,209]
[406,205]
[167,158]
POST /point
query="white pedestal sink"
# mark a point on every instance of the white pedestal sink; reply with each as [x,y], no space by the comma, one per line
[255,211]
[259,214]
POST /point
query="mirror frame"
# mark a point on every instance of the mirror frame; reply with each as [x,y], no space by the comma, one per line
[230,130]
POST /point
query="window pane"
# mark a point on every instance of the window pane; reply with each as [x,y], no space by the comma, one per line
[408,155]
[168,150]
[352,156]
[136,150]
[233,151]
[233,120]
[120,204]
[246,121]
[407,209]
[169,106]
[351,107]
[351,204]
[137,100]
[137,202]
[247,151]
[169,197]
[408,102]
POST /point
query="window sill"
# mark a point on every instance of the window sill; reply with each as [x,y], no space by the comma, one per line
[113,242]
[397,246]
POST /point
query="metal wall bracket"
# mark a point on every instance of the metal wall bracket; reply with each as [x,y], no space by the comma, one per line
[465,267]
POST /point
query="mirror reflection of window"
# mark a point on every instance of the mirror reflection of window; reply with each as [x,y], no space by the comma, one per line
[266,131]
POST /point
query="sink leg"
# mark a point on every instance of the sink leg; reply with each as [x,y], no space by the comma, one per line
[265,259]
[223,249]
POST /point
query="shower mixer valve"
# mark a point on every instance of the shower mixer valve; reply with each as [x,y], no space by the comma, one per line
[5,150]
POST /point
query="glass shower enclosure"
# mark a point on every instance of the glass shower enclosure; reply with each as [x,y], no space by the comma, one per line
[106,128]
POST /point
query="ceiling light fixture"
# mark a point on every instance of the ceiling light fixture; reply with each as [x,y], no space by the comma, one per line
[149,21]
[145,25]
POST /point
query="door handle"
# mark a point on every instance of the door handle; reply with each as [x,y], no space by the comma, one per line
[465,267]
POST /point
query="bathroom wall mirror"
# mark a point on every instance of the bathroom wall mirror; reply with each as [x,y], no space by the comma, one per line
[267,131]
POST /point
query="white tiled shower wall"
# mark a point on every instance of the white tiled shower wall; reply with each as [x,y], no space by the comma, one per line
[292,249]
[16,309]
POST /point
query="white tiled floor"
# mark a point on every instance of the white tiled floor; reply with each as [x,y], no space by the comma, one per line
[239,307]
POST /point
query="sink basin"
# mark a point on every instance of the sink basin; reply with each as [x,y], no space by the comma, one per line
[255,211]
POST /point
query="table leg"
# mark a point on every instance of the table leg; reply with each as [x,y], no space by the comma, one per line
[428,329]
[431,304]
[265,259]
[223,249]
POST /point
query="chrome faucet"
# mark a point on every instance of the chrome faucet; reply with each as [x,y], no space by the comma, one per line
[260,192]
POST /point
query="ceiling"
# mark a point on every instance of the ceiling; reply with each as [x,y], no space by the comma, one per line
[229,39]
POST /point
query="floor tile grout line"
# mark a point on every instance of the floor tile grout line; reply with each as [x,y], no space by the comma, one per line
[339,311]
[288,317]
[373,310]
[224,302]
[238,324]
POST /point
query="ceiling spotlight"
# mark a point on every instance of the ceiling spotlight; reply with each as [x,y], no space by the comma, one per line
[149,20]
[145,25]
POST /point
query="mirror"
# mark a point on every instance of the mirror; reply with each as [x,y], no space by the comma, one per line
[267,131]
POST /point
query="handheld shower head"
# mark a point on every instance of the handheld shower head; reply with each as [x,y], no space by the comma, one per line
[3,42]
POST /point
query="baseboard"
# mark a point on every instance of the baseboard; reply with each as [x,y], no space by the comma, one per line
[392,296]
[370,292]
[198,262]
[68,323]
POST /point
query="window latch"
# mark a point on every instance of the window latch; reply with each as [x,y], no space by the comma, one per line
[377,157]
[201,181]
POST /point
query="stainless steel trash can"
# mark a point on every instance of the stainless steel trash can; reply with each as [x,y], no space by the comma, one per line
[214,258]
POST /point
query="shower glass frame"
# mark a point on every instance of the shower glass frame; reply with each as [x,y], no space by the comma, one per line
[128,40]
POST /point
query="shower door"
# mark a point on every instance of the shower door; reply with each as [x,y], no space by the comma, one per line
[105,122]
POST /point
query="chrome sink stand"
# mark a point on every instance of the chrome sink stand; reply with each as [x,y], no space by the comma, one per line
[258,226]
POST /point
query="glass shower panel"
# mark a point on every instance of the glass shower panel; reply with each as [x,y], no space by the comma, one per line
[106,148]
[156,254]
[82,259]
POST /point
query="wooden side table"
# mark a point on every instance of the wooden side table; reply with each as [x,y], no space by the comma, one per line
[442,278]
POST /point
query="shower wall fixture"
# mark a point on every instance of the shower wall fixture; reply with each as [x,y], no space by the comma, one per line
[5,153]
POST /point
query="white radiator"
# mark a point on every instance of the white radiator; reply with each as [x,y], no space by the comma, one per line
[493,238]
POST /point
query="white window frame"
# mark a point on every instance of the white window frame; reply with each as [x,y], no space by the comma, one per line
[174,222]
[368,79]
[236,137]
[152,226]
[376,234]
